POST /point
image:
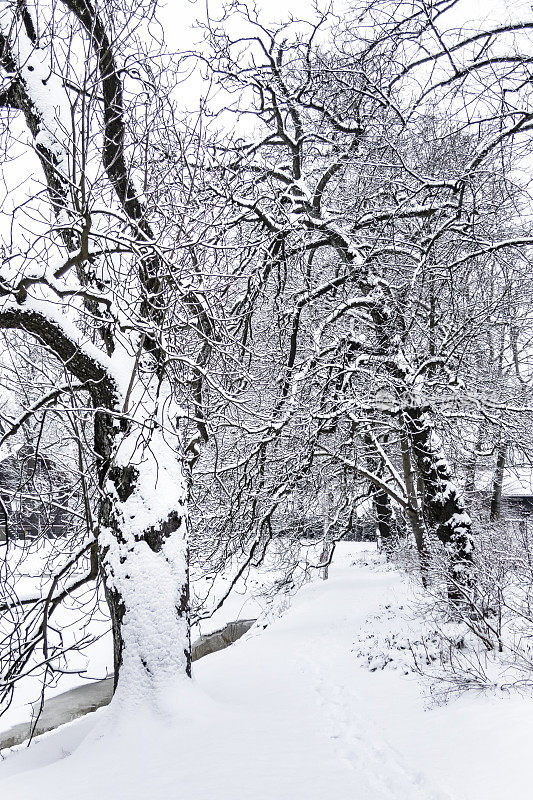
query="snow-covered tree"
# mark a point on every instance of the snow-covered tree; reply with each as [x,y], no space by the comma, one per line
[90,271]
[364,201]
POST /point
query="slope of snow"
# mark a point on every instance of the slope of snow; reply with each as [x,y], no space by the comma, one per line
[291,712]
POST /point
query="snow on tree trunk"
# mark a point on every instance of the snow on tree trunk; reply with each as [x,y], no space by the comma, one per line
[144,551]
[444,508]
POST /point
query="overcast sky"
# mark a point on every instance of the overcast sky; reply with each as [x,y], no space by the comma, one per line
[178,18]
[179,15]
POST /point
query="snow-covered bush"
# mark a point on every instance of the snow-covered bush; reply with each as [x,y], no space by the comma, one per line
[485,642]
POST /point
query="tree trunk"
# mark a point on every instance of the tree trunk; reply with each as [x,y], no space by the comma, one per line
[414,511]
[497,485]
[381,502]
[143,524]
[385,521]
[443,506]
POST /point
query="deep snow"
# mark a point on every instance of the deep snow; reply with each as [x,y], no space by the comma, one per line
[291,713]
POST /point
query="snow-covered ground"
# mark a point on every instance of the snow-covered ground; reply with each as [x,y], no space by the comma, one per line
[84,616]
[292,712]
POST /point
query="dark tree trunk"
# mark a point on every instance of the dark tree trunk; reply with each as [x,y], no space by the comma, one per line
[385,521]
[497,485]
[443,505]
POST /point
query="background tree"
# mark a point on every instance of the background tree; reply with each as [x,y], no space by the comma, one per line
[375,215]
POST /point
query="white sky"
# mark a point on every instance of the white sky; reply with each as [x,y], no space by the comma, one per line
[178,18]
